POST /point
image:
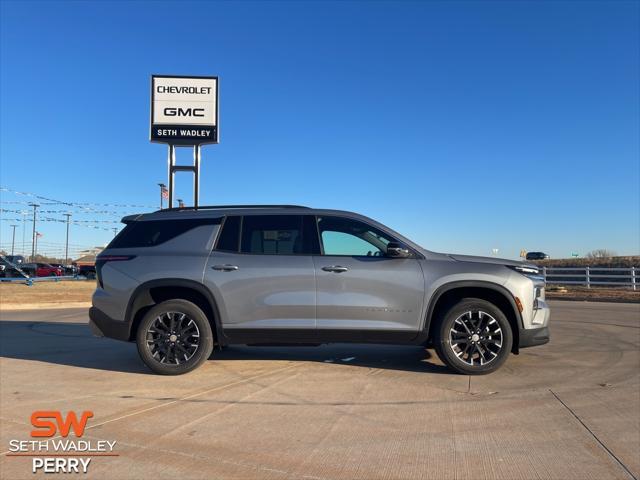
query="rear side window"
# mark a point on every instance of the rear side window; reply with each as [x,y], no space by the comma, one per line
[279,235]
[155,232]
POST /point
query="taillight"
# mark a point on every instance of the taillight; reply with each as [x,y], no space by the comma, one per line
[113,258]
[102,259]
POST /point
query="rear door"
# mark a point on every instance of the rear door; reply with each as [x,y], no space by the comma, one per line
[361,291]
[262,276]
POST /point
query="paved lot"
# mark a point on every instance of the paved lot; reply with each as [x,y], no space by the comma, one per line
[566,410]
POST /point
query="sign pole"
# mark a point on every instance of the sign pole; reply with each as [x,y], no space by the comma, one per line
[196,175]
[172,163]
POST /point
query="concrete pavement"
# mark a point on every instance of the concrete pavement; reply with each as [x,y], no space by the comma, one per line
[569,409]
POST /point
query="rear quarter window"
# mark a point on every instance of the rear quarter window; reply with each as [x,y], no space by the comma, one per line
[229,239]
[155,232]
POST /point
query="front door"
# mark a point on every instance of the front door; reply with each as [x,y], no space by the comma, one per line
[362,292]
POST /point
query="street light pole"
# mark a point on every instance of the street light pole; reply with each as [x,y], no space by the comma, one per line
[13,238]
[66,245]
[33,236]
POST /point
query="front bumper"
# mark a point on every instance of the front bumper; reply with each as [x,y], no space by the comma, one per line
[539,321]
[531,337]
[103,325]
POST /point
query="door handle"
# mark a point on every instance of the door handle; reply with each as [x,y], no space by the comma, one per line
[335,269]
[225,268]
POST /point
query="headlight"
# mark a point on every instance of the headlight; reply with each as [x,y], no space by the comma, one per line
[528,271]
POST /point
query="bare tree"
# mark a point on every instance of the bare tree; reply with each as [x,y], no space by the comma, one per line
[600,253]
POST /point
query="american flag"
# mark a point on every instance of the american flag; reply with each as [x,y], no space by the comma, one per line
[38,234]
[165,192]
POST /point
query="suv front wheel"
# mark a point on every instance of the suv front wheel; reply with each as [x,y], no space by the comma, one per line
[174,337]
[474,337]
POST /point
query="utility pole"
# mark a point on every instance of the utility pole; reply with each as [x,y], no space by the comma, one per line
[162,189]
[66,245]
[24,229]
[13,238]
[33,236]
[115,231]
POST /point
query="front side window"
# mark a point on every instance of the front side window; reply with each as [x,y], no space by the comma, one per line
[278,235]
[345,236]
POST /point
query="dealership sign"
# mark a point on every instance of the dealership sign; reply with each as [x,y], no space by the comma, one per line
[184,110]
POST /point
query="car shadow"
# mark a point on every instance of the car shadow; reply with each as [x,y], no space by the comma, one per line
[72,344]
[66,343]
[407,358]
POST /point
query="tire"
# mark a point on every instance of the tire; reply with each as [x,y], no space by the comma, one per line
[474,344]
[159,332]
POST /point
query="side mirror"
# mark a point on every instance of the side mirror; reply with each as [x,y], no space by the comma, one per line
[397,250]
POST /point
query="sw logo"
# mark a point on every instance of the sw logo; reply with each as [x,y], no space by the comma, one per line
[46,427]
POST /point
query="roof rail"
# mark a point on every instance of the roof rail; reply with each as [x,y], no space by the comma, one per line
[221,207]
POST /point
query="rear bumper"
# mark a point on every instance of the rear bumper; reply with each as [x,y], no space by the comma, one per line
[533,336]
[103,325]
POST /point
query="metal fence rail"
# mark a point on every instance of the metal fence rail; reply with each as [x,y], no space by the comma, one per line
[592,276]
[31,280]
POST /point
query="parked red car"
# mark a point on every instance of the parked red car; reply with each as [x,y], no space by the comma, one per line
[43,270]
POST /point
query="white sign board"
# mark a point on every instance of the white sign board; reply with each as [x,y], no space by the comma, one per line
[184,110]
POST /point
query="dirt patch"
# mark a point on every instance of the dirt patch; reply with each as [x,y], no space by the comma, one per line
[598,294]
[49,294]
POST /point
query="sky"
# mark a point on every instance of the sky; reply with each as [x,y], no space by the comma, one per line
[466,126]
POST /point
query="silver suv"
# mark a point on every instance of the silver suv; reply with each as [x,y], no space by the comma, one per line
[180,281]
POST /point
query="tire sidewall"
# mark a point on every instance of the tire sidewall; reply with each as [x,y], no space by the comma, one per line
[443,343]
[206,337]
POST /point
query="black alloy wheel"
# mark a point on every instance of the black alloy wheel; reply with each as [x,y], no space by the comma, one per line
[174,337]
[473,337]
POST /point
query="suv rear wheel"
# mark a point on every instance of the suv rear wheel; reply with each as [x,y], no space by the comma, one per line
[473,337]
[174,337]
